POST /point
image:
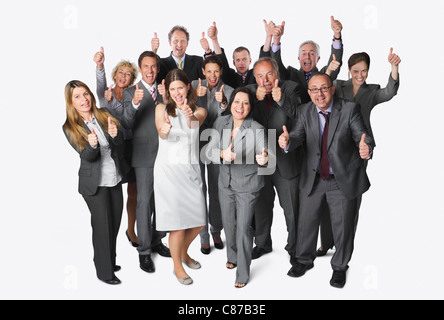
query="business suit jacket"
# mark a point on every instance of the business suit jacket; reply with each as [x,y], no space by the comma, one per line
[288,164]
[298,76]
[90,164]
[192,67]
[231,77]
[142,122]
[368,96]
[344,134]
[242,174]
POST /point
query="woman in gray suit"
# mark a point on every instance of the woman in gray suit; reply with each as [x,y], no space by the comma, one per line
[94,134]
[367,96]
[239,145]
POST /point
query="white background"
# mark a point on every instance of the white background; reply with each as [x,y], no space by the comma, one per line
[45,233]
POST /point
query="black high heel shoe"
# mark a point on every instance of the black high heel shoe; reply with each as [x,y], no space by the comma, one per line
[134,244]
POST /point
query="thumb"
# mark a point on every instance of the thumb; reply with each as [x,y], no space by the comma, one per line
[230,146]
[363,138]
[222,88]
[110,87]
[137,86]
[276,83]
[262,82]
[263,152]
[155,35]
[102,50]
[167,119]
[391,51]
[92,131]
[332,18]
[203,35]
[200,82]
[109,122]
[285,129]
[334,57]
[214,24]
[283,24]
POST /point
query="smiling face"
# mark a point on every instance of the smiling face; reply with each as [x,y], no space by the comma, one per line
[212,73]
[123,77]
[178,91]
[240,108]
[308,58]
[149,70]
[359,73]
[81,101]
[321,99]
[179,43]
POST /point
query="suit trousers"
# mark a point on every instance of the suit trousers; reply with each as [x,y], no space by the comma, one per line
[214,217]
[145,211]
[288,193]
[326,195]
[237,216]
[106,208]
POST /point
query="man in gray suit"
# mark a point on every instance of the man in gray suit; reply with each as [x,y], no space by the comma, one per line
[337,145]
[309,55]
[139,115]
[276,104]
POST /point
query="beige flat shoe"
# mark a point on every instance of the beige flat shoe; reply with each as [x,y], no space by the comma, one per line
[193,265]
[185,281]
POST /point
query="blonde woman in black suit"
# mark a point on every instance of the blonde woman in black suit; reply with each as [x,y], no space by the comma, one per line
[94,134]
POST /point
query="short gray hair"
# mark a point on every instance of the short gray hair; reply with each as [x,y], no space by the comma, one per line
[318,49]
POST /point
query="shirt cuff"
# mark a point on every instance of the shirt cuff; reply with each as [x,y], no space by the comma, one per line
[337,45]
[135,106]
[275,48]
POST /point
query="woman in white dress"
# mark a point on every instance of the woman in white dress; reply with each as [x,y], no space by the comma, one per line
[178,195]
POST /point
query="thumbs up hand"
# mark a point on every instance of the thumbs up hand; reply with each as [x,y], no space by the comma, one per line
[394,59]
[284,138]
[333,66]
[212,32]
[138,95]
[92,138]
[204,43]
[276,92]
[261,91]
[186,109]
[112,128]
[155,43]
[166,126]
[364,149]
[228,155]
[109,94]
[262,159]
[201,90]
[99,58]
[336,26]
[219,95]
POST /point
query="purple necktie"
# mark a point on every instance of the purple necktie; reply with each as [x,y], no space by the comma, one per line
[324,169]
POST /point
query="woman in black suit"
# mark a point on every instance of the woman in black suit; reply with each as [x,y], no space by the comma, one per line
[94,134]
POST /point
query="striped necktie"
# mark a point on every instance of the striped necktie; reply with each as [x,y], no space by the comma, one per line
[154,95]
[180,64]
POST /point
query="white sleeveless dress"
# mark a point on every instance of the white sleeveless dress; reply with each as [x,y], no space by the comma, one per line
[178,195]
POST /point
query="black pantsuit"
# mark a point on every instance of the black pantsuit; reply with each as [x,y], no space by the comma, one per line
[106,208]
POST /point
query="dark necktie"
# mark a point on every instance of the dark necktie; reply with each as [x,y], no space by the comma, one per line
[269,102]
[307,76]
[244,76]
[324,169]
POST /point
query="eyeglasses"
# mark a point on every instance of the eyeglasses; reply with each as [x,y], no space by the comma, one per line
[323,89]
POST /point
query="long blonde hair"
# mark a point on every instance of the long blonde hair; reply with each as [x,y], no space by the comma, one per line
[74,126]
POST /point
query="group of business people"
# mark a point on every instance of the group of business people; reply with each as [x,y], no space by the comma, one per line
[256,131]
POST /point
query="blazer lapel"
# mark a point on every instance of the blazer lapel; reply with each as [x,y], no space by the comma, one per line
[313,123]
[334,121]
[242,131]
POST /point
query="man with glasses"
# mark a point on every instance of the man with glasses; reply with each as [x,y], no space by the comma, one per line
[337,145]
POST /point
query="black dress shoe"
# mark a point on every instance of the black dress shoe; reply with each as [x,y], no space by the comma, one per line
[205,250]
[134,244]
[162,250]
[338,279]
[117,268]
[218,243]
[321,252]
[113,281]
[146,264]
[299,269]
[258,252]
